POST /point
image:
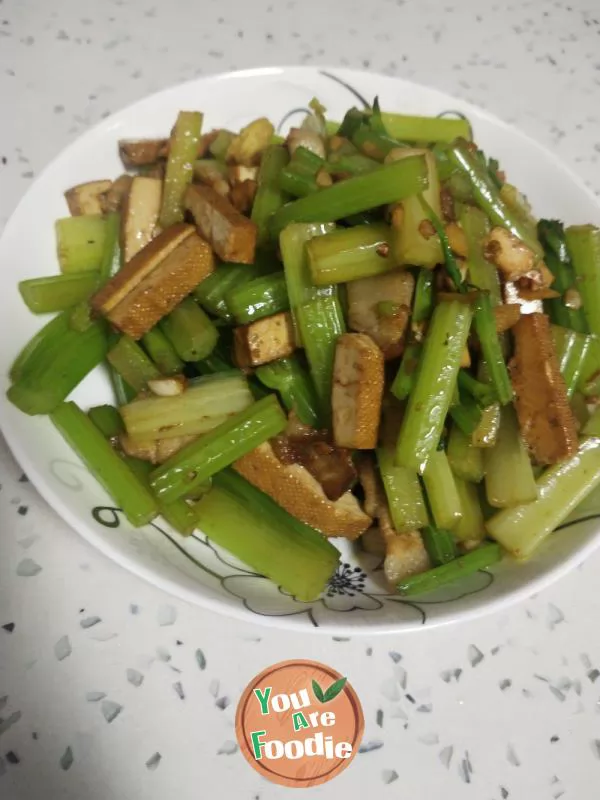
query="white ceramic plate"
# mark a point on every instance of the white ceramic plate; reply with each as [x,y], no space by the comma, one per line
[192,568]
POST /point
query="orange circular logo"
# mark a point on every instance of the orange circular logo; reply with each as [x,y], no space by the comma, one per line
[299,723]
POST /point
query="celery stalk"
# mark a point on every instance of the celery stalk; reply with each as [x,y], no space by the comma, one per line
[441,491]
[136,501]
[218,448]
[183,150]
[47,380]
[208,402]
[132,364]
[58,292]
[162,352]
[561,488]
[409,245]
[250,525]
[389,184]
[509,477]
[80,243]
[269,197]
[425,129]
[37,348]
[430,399]
[465,459]
[261,297]
[316,310]
[424,582]
[107,419]
[294,386]
[347,254]
[403,492]
[471,526]
[190,331]
[583,242]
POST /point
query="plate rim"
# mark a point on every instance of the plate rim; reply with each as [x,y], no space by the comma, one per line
[214,604]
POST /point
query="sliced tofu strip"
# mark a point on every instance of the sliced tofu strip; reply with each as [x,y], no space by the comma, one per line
[87,198]
[295,489]
[232,236]
[140,215]
[357,391]
[115,197]
[141,152]
[265,340]
[155,280]
[380,307]
[545,417]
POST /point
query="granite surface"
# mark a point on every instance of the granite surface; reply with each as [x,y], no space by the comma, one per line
[112,690]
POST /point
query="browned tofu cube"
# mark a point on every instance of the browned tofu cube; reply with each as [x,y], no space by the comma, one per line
[87,198]
[264,340]
[141,152]
[155,280]
[232,236]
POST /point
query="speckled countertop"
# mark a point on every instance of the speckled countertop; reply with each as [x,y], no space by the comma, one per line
[111,690]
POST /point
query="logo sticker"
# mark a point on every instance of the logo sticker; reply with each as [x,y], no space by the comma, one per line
[299,723]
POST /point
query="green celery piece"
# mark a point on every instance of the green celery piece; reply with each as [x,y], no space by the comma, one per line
[162,352]
[488,198]
[261,297]
[88,442]
[183,150]
[110,262]
[107,419]
[583,242]
[316,310]
[206,403]
[58,292]
[435,381]
[35,351]
[561,488]
[439,544]
[47,380]
[389,184]
[403,492]
[481,273]
[294,385]
[556,256]
[347,254]
[190,331]
[132,364]
[80,243]
[217,449]
[426,129]
[269,197]
[491,347]
[442,494]
[471,527]
[571,350]
[465,459]
[250,525]
[509,479]
[425,582]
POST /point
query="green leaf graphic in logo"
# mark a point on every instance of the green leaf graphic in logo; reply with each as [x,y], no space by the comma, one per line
[331,693]
[318,692]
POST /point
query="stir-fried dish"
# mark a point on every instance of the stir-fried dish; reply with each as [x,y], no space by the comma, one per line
[358,331]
